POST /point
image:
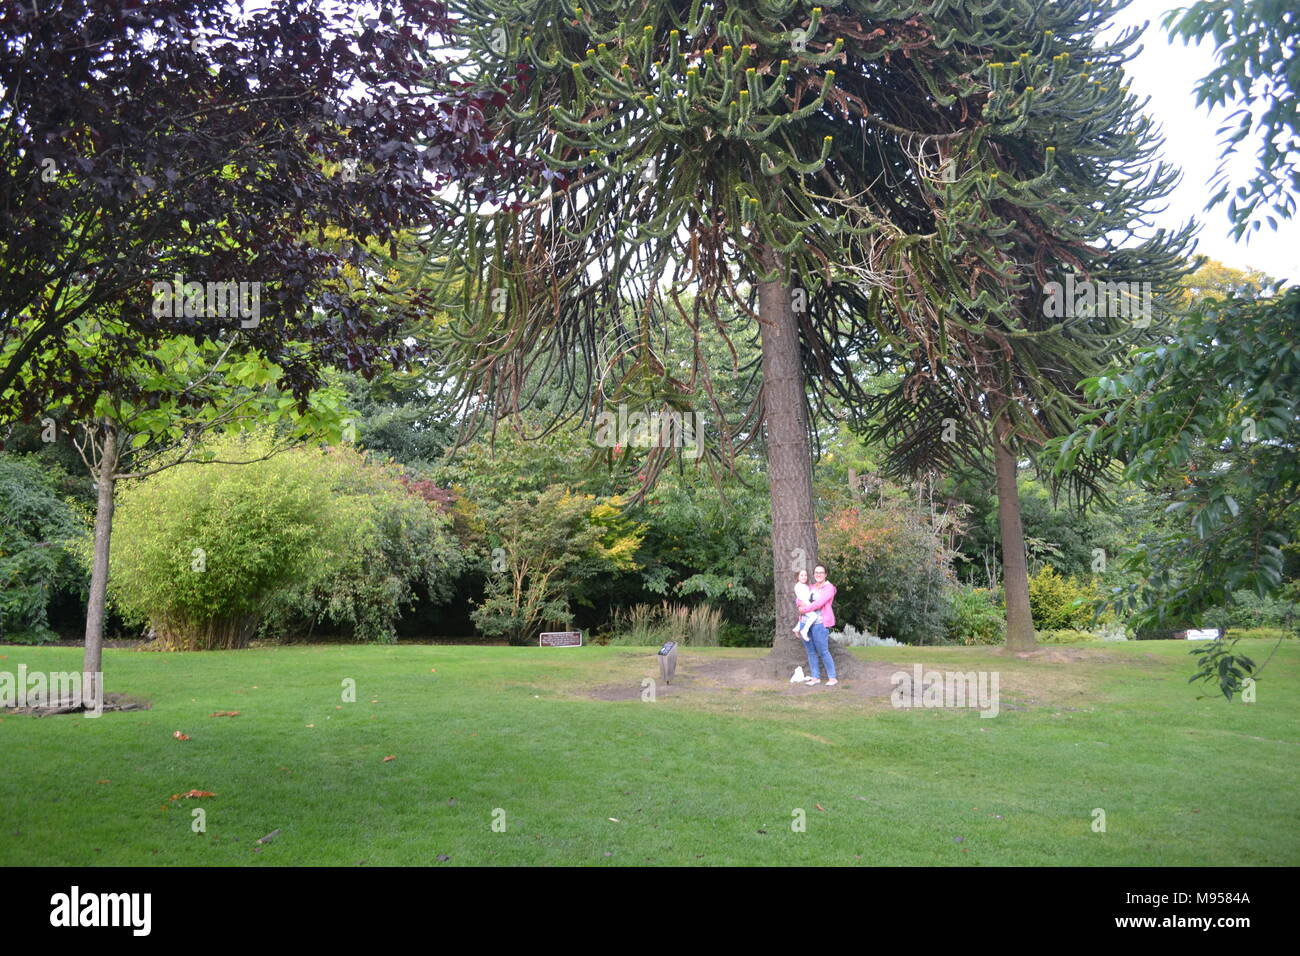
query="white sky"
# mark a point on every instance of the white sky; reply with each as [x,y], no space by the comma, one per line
[1167,73]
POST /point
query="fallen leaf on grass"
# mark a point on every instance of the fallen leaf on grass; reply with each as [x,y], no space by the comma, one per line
[225,713]
[193,794]
[180,736]
[311,725]
[269,837]
[103,781]
[390,757]
[820,807]
[615,820]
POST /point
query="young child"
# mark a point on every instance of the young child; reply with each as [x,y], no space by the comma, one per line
[804,593]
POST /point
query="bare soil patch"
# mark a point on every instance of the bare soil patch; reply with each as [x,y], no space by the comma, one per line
[695,675]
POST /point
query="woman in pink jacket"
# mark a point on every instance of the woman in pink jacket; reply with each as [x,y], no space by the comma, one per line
[819,635]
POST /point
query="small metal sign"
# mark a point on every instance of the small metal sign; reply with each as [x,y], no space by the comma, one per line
[560,639]
[1201,634]
[668,661]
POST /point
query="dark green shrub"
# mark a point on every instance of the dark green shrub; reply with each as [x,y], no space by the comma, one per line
[738,635]
[39,533]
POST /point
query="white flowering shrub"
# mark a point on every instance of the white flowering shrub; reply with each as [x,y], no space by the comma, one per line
[852,637]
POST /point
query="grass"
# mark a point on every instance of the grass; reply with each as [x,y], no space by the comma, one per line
[715,777]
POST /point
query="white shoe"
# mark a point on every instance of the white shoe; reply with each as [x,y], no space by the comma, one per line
[831,682]
[813,680]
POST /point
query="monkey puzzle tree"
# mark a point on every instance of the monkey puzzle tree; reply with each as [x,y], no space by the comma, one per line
[832,171]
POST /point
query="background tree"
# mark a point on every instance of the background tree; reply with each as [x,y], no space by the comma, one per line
[1211,416]
[185,393]
[186,140]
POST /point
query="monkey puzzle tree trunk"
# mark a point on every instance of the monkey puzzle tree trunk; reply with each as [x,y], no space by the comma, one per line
[1015,574]
[92,661]
[789,469]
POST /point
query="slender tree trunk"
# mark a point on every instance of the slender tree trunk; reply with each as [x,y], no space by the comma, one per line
[789,468]
[1015,574]
[92,663]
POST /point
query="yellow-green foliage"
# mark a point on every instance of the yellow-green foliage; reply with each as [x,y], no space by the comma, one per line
[1059,603]
[544,548]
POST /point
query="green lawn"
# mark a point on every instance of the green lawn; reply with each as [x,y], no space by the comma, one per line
[713,776]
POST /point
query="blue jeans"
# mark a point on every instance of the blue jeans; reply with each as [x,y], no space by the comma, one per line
[818,645]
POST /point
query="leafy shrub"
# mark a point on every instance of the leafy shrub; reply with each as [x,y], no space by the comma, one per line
[1057,602]
[1249,610]
[398,533]
[974,618]
[207,553]
[890,570]
[545,549]
[39,535]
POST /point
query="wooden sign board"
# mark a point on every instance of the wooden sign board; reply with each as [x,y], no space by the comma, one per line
[560,639]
